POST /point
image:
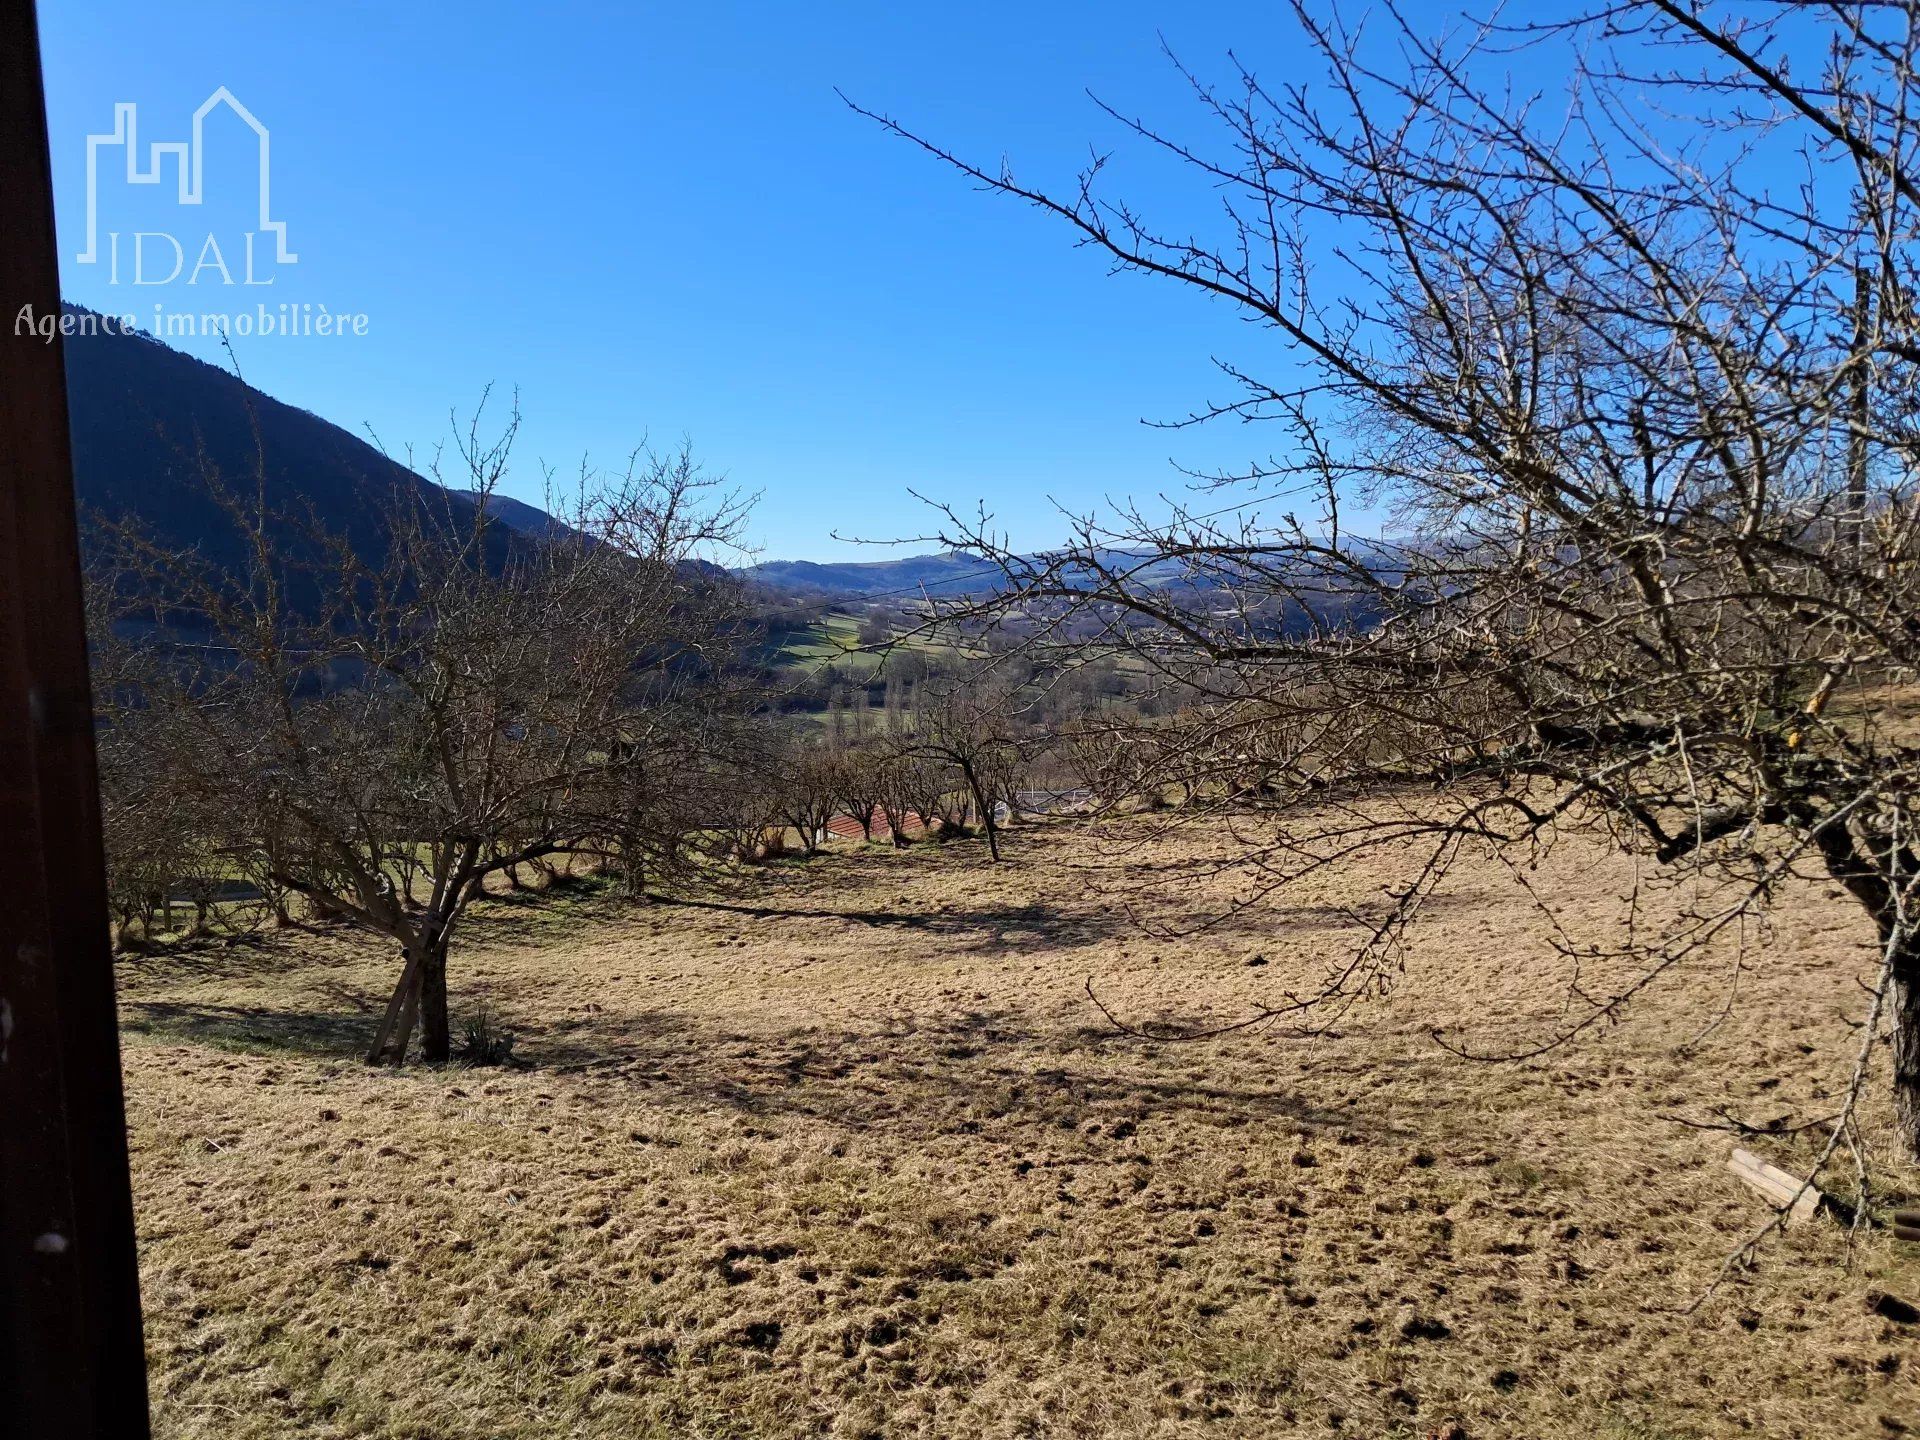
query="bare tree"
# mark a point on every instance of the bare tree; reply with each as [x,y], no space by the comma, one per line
[859,782]
[744,809]
[967,728]
[658,791]
[809,783]
[1103,756]
[151,829]
[148,838]
[1637,396]
[909,791]
[434,714]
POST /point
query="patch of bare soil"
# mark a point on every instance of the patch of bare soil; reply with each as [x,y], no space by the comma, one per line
[853,1156]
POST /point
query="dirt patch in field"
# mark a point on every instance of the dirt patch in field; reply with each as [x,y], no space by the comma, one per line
[854,1156]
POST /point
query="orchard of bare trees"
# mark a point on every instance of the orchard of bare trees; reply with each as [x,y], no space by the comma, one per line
[376,734]
[380,734]
[1629,421]
[1635,414]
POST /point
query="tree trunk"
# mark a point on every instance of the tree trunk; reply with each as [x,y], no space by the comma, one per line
[984,806]
[897,826]
[633,867]
[409,1011]
[1905,1004]
[436,1035]
[1847,862]
[399,1004]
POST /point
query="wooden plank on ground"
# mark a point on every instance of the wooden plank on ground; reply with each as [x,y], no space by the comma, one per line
[1779,1186]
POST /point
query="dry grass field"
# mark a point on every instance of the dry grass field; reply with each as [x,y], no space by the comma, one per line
[851,1155]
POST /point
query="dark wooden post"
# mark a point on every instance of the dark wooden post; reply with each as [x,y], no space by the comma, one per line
[71,1359]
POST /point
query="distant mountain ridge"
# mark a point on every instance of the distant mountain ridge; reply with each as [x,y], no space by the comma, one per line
[946,572]
[1316,596]
[150,423]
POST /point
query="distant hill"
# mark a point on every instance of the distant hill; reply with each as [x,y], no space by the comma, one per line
[950,573]
[946,573]
[1321,598]
[150,424]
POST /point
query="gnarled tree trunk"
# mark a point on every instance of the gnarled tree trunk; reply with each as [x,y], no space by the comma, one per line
[436,1038]
[389,1040]
[420,996]
[1903,1002]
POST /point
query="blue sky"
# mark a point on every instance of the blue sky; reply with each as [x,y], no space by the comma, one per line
[661,221]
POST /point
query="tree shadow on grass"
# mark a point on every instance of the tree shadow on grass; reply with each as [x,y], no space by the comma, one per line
[993,927]
[983,1073]
[251,1028]
[239,957]
[977,1072]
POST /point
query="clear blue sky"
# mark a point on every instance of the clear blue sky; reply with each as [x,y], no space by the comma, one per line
[660,220]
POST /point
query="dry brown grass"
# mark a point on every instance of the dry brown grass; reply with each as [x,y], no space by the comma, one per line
[857,1159]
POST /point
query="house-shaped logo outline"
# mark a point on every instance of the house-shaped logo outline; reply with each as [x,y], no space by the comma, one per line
[189,161]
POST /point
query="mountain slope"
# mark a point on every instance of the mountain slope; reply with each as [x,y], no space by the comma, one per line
[151,425]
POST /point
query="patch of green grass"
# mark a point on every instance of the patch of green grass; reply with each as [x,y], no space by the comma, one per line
[834,639]
[1518,1175]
